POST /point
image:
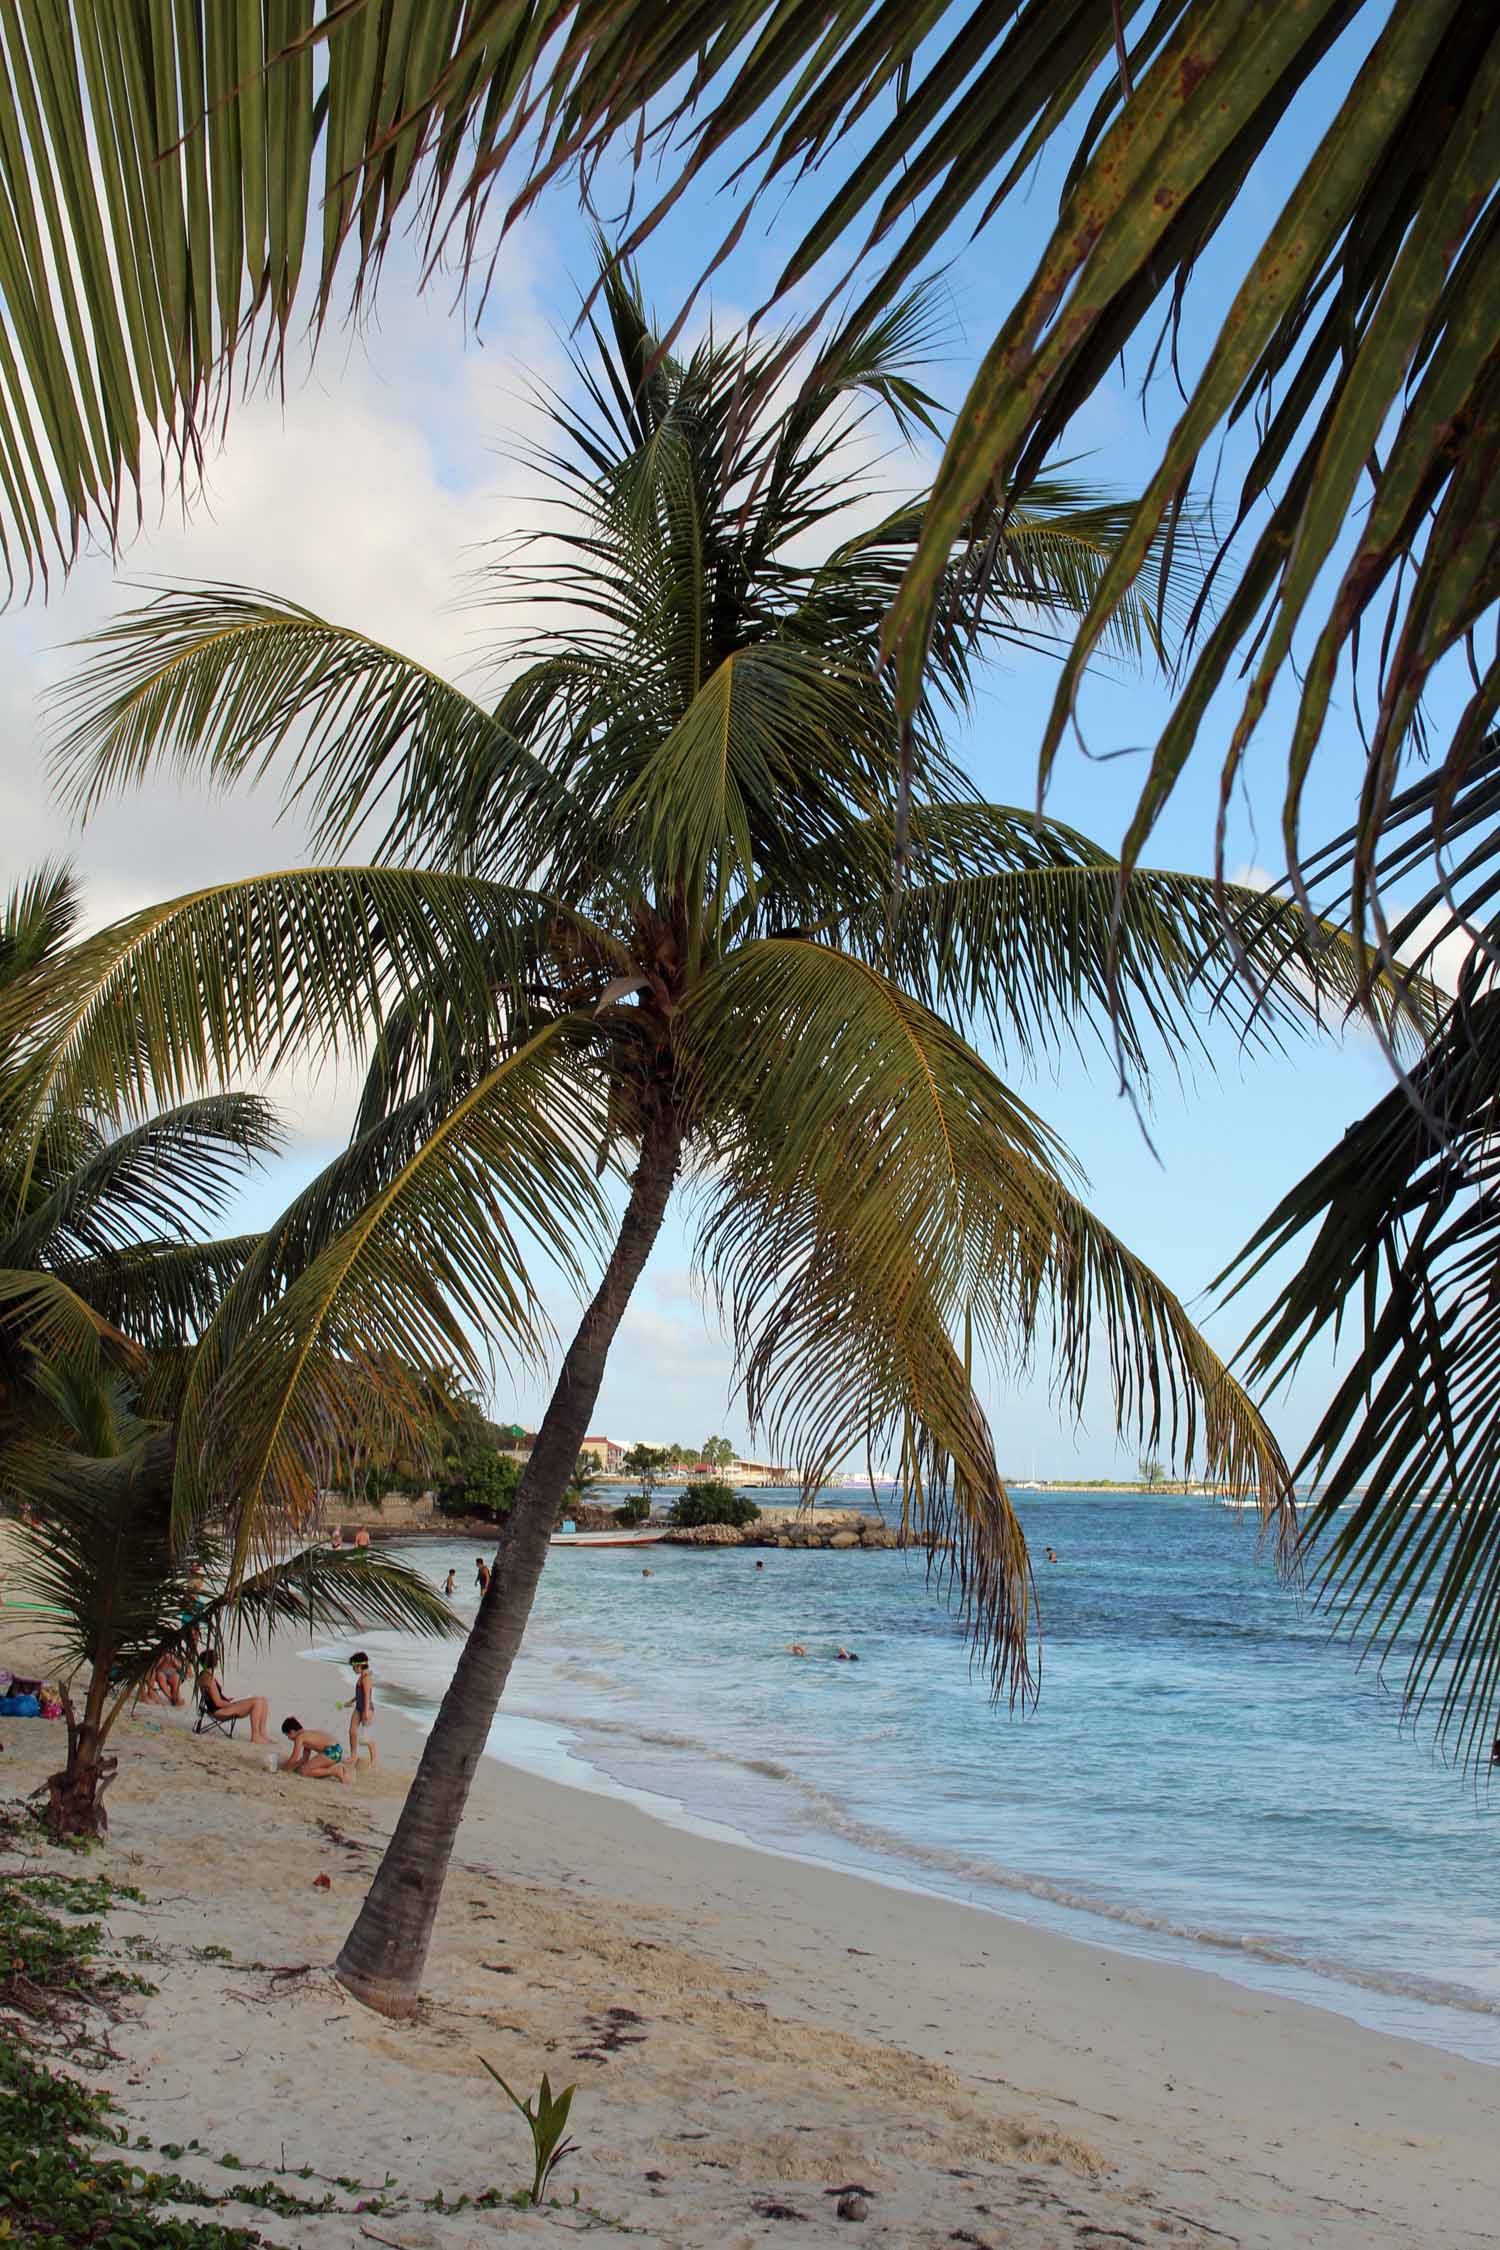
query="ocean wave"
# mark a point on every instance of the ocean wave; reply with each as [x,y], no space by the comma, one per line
[832,1817]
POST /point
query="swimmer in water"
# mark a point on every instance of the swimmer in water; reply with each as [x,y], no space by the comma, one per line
[1051,1554]
[795,1648]
[847,1656]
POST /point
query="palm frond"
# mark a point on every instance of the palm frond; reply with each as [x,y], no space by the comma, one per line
[1433,879]
[97,1548]
[170,173]
[408,1248]
[782,750]
[316,1590]
[94,1544]
[161,1294]
[46,1318]
[168,1174]
[870,1180]
[1030,929]
[1404,1217]
[236,977]
[223,681]
[37,918]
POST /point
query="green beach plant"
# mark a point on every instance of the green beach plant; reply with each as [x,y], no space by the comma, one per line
[546,2116]
[647,886]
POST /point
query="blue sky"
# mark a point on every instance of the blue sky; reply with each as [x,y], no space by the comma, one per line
[366,494]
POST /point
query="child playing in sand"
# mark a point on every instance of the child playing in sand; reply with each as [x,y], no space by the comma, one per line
[315,1755]
[362,1709]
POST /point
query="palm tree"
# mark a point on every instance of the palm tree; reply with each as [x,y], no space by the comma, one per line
[97,1544]
[676,822]
[162,1397]
[171,174]
[358,1304]
[97,1262]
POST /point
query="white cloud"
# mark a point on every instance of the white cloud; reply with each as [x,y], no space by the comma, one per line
[364,497]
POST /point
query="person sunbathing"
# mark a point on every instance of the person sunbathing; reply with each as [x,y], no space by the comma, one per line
[255,1708]
[163,1683]
[315,1755]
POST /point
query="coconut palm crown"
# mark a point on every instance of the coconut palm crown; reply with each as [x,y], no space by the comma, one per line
[668,841]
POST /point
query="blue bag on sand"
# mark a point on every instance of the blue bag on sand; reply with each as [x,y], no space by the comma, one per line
[20,1707]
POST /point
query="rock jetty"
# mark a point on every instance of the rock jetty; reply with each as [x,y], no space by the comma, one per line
[841,1531]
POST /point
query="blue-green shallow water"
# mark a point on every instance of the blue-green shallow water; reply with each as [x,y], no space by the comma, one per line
[1207,1777]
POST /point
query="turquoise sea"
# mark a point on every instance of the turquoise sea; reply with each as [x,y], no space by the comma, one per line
[1208,1776]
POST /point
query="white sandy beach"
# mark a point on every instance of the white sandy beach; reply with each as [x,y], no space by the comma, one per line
[748,2034]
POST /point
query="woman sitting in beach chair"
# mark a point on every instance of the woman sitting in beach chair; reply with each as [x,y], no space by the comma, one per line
[217,1709]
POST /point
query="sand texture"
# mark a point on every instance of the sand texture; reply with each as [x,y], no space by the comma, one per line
[749,2036]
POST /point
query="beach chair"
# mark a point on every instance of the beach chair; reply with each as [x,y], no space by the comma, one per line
[209,1717]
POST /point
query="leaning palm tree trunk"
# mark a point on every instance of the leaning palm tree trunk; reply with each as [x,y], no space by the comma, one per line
[386,1951]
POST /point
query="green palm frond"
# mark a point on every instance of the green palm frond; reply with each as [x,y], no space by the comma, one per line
[875,1194]
[397,1259]
[37,917]
[1404,1219]
[1027,927]
[167,1174]
[318,1591]
[218,680]
[781,751]
[97,1548]
[236,977]
[833,1365]
[170,174]
[161,1294]
[41,1315]
[1433,879]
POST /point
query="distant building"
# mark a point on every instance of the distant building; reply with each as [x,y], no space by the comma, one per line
[604,1453]
[513,1441]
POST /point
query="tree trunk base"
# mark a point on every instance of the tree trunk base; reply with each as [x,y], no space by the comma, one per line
[75,1800]
[383,1994]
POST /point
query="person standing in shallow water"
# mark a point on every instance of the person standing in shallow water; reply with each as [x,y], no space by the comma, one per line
[450,1585]
[482,1575]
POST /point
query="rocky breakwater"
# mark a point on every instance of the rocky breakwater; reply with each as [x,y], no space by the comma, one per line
[843,1531]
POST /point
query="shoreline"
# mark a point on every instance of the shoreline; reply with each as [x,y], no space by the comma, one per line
[1026,1901]
[791,2027]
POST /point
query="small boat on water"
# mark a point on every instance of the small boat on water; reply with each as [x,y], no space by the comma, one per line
[639,1535]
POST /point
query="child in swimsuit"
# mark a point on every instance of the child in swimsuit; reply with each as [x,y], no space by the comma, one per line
[362,1710]
[315,1755]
